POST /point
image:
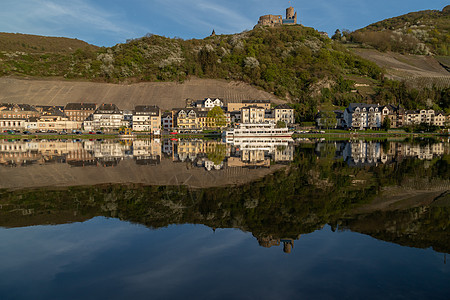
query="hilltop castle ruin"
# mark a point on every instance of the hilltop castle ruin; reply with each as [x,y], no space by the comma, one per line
[275,20]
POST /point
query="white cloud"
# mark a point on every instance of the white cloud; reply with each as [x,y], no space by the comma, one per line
[204,15]
[76,18]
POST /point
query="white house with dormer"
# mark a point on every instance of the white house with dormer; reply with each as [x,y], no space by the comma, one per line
[209,103]
[362,116]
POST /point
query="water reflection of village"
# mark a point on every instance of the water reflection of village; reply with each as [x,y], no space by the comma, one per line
[372,153]
[208,154]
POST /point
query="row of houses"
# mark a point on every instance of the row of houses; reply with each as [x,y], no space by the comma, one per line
[371,116]
[365,153]
[144,118]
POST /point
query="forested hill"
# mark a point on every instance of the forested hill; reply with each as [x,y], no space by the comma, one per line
[424,32]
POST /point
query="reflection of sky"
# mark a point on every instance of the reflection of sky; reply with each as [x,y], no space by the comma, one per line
[107,258]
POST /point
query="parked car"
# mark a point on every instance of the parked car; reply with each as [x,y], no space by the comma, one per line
[99,132]
[26,132]
[62,132]
[174,132]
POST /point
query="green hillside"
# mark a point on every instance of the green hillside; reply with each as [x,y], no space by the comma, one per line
[424,32]
[295,63]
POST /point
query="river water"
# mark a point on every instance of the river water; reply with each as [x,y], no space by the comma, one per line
[202,219]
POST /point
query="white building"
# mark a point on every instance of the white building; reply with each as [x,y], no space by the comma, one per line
[252,114]
[13,116]
[147,118]
[412,117]
[209,103]
[284,113]
[362,116]
[106,117]
[439,119]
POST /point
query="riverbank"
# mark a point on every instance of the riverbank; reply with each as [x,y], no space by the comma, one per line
[332,135]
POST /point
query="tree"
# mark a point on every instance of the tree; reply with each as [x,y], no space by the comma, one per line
[217,117]
[280,124]
[217,154]
[337,35]
[328,119]
[386,123]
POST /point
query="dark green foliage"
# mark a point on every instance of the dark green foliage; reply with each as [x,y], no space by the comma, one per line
[218,117]
[386,123]
[280,124]
[396,93]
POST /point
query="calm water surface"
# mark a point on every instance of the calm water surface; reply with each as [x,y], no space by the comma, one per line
[313,220]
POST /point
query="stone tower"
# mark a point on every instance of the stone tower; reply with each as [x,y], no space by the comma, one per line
[291,15]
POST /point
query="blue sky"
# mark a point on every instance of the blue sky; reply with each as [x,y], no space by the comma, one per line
[108,22]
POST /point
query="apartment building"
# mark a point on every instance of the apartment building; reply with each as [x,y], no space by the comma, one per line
[147,118]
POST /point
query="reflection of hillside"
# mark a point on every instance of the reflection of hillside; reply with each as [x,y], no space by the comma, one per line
[418,225]
[405,202]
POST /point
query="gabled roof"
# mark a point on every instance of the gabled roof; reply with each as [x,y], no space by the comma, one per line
[352,106]
[255,101]
[19,107]
[44,108]
[212,99]
[390,107]
[106,108]
[147,109]
[252,106]
[53,111]
[80,106]
[202,113]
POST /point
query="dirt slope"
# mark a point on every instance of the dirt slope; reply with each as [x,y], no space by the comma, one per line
[40,44]
[416,70]
[401,65]
[127,171]
[167,95]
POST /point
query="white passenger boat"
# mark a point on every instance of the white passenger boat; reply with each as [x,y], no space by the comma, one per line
[264,144]
[261,130]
